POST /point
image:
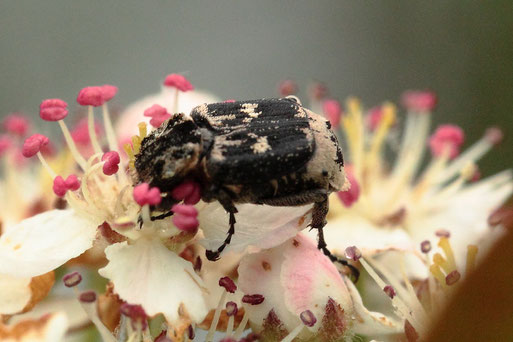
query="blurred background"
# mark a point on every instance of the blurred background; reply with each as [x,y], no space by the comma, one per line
[242,49]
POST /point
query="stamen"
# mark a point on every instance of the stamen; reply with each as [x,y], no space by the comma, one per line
[231,311]
[388,119]
[179,82]
[88,302]
[308,318]
[492,137]
[136,314]
[188,191]
[439,260]
[471,258]
[446,247]
[446,137]
[419,101]
[108,92]
[242,325]
[111,165]
[72,279]
[253,299]
[397,302]
[437,273]
[287,87]
[215,320]
[87,297]
[293,334]
[185,217]
[354,128]
[452,278]
[71,145]
[144,195]
[158,115]
[61,186]
[92,132]
[390,291]
[228,284]
[425,246]
[353,253]
[33,145]
[350,196]
[16,124]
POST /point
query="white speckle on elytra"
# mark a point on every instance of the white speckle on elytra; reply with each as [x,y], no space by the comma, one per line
[261,145]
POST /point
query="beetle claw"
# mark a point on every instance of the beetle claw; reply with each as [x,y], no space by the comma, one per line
[212,255]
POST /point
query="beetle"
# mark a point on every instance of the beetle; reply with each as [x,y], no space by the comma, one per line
[268,151]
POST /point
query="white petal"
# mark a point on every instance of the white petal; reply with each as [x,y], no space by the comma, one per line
[465,214]
[44,242]
[367,322]
[353,230]
[49,328]
[15,293]
[257,225]
[310,279]
[255,279]
[149,274]
[77,317]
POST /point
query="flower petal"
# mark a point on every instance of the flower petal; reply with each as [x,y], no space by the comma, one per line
[257,225]
[50,327]
[310,279]
[464,215]
[44,242]
[15,293]
[353,230]
[149,274]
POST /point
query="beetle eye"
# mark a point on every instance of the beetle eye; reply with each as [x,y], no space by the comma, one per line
[293,98]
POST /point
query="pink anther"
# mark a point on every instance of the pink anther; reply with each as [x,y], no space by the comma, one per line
[143,195]
[333,111]
[16,124]
[179,82]
[158,115]
[53,110]
[111,165]
[419,101]
[446,138]
[33,145]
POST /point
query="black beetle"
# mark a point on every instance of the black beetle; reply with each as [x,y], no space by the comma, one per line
[268,151]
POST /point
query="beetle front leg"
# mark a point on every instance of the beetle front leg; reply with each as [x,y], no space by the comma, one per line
[320,211]
[227,204]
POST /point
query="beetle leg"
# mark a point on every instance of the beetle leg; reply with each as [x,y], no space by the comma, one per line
[320,210]
[228,205]
[162,216]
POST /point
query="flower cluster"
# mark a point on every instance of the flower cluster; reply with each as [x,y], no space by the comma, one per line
[87,209]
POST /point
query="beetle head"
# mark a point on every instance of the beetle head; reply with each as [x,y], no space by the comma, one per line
[169,153]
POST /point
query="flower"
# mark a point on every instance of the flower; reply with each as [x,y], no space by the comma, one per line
[400,204]
[419,305]
[105,196]
[300,292]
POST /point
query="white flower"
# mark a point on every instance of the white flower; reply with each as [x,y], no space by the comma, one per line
[400,205]
[102,194]
[295,289]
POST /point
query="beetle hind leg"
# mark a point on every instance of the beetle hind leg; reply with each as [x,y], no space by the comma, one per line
[230,208]
[319,213]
